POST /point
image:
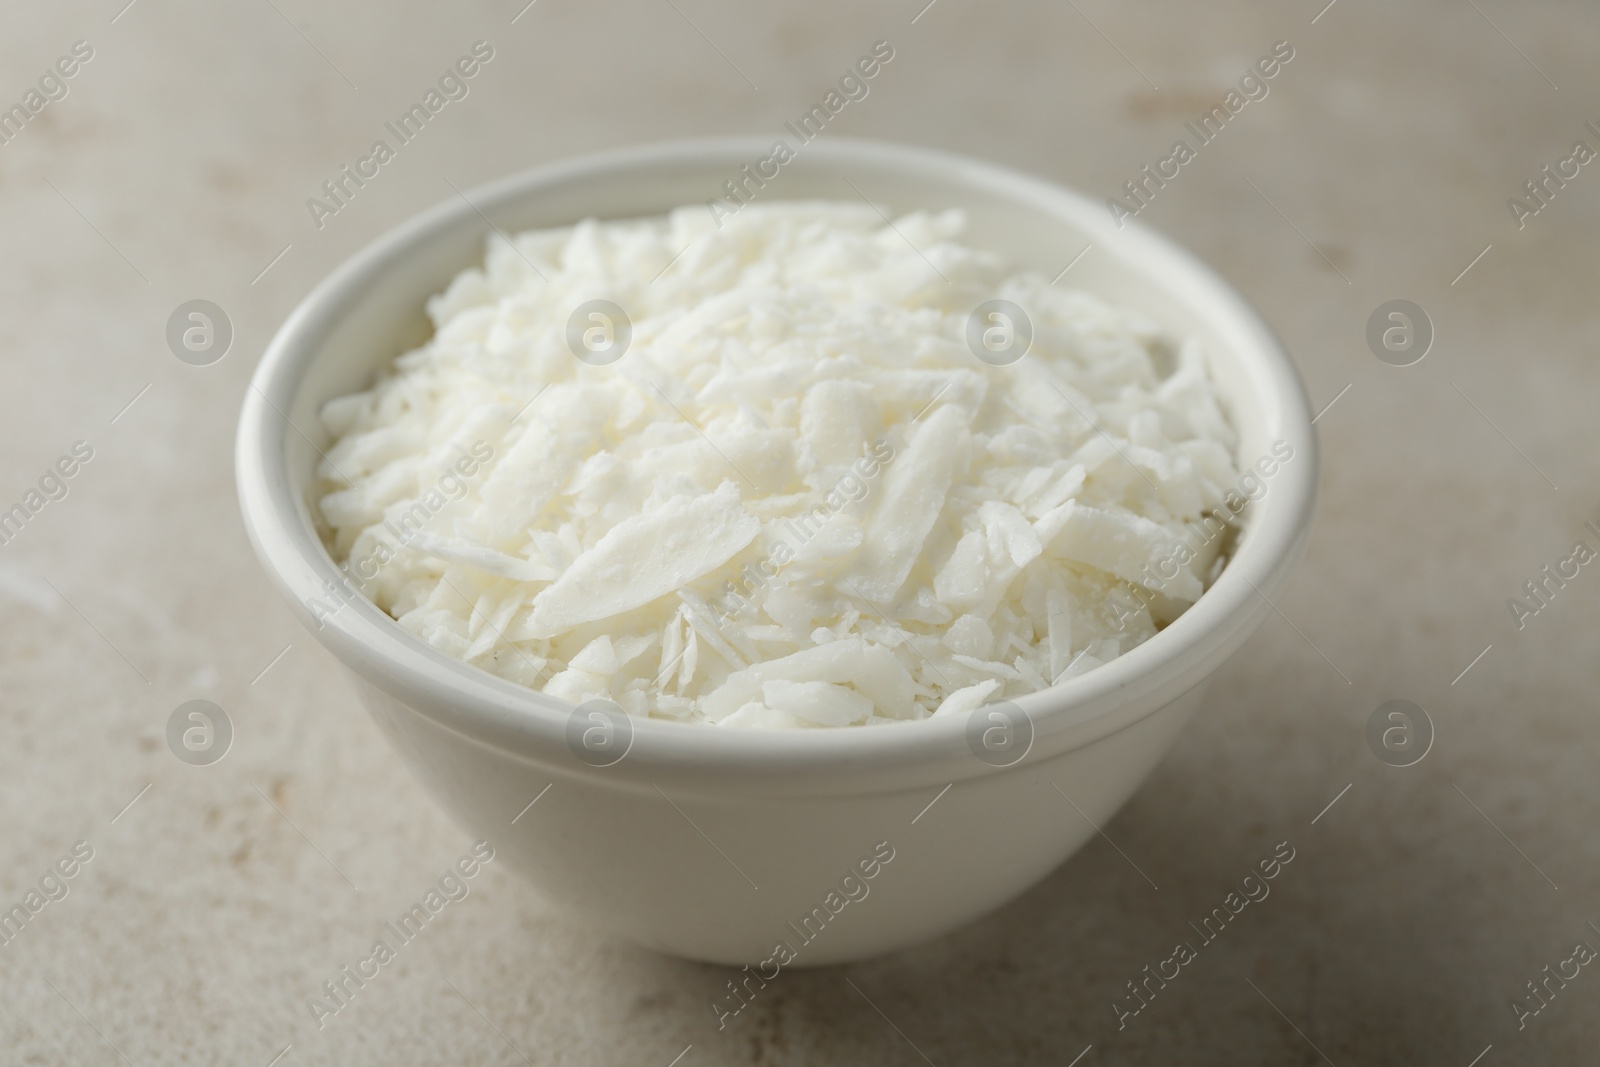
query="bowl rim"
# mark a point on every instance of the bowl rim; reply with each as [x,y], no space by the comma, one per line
[505,715]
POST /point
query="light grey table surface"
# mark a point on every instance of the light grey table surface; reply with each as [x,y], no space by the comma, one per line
[1380,165]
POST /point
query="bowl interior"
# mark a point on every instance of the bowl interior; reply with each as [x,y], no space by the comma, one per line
[371,310]
[1036,232]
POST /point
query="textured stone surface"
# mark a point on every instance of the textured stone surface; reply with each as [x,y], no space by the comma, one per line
[180,163]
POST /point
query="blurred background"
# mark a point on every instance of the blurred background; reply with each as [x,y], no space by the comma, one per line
[175,163]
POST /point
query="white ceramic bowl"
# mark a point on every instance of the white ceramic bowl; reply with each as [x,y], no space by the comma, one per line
[706,842]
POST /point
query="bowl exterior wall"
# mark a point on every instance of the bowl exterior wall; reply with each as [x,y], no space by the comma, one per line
[723,877]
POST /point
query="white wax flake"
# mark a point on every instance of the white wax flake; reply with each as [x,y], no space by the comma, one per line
[836,416]
[798,499]
[757,716]
[970,636]
[872,669]
[964,700]
[913,496]
[1126,545]
[479,558]
[598,657]
[817,703]
[1009,534]
[646,557]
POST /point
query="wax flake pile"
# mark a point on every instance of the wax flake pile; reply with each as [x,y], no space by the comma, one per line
[799,498]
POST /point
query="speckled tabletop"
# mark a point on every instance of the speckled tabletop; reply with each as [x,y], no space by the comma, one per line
[175,164]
